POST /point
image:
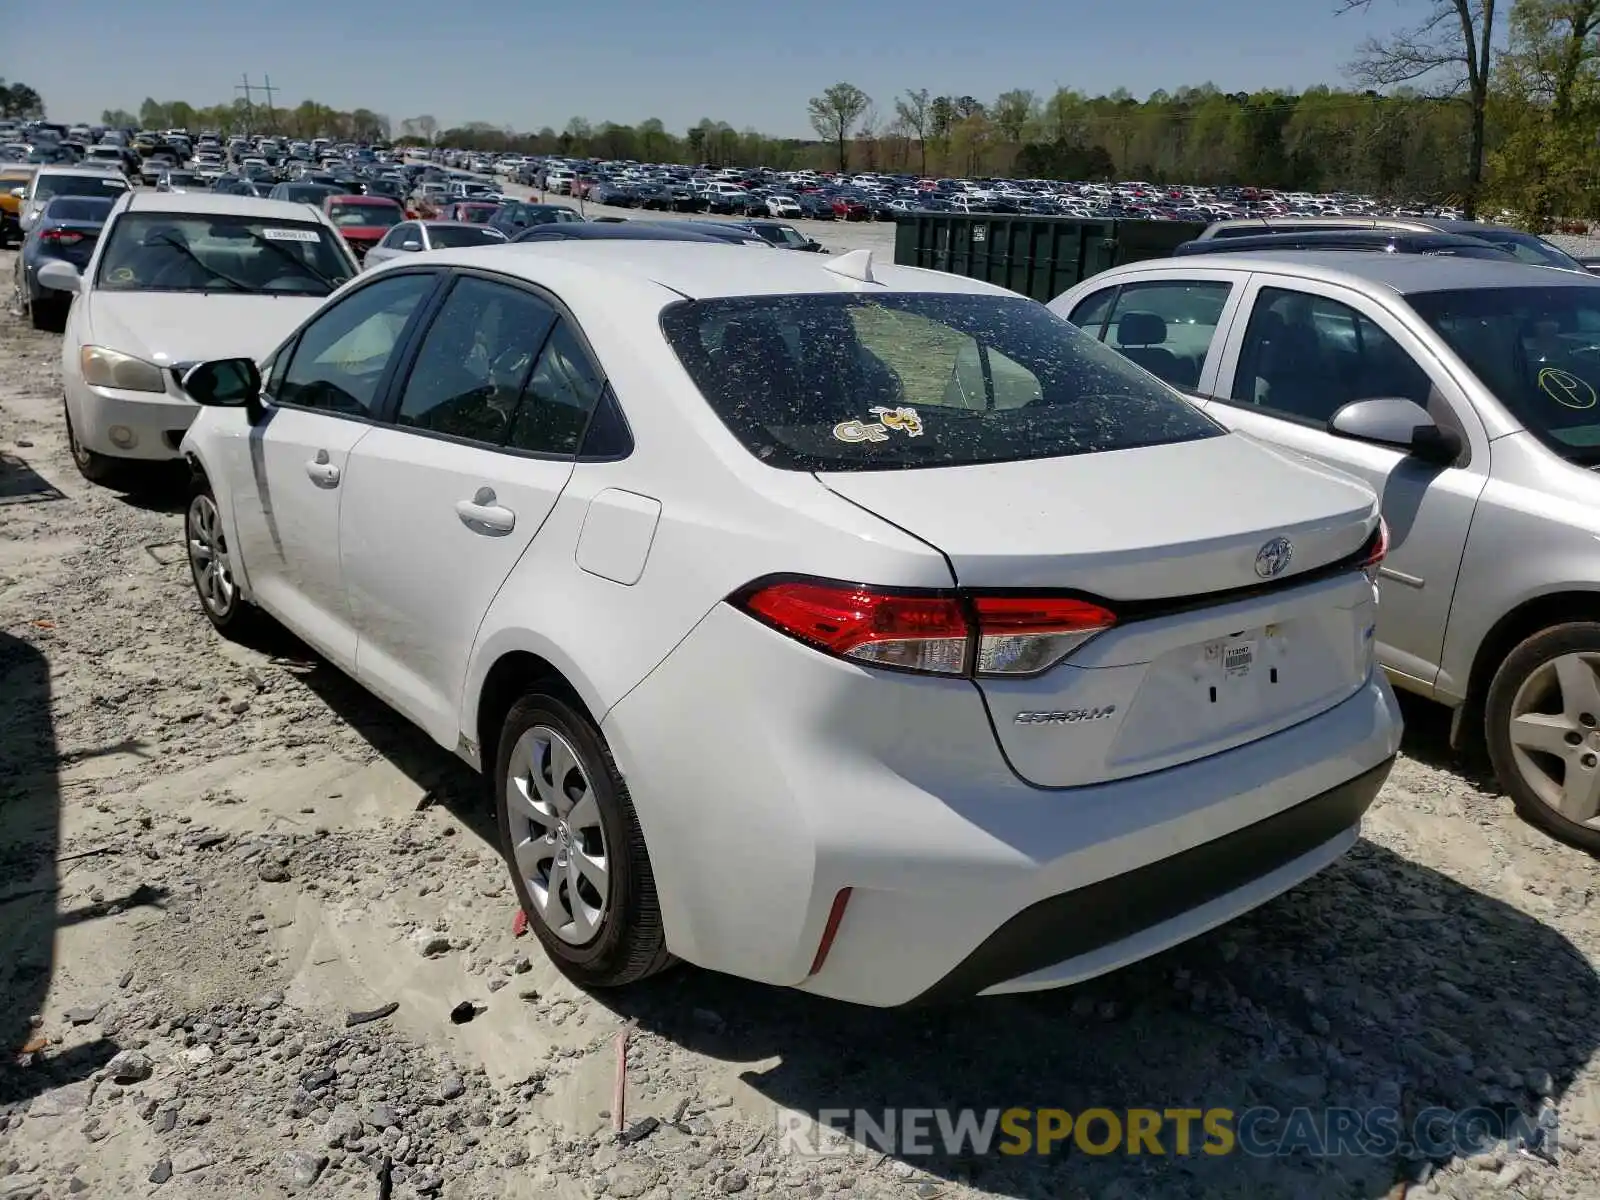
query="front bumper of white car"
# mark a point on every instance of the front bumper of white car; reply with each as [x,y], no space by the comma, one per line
[128,424]
[858,833]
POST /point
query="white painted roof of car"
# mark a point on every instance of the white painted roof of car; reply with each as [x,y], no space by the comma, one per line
[217,203]
[697,269]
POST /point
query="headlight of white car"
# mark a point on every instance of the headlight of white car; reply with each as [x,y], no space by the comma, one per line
[103,367]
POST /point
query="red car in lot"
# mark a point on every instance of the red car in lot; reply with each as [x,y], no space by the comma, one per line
[851,208]
[363,220]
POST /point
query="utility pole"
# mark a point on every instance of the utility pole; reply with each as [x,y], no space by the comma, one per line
[272,123]
[249,100]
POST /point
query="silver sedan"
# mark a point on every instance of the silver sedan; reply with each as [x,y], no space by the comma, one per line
[412,237]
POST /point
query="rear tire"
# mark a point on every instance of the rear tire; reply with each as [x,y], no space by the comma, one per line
[1542,727]
[567,824]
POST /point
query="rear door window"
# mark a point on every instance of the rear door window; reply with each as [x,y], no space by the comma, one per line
[1168,327]
[853,382]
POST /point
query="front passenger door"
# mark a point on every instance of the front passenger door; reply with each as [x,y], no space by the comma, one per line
[1307,350]
[324,391]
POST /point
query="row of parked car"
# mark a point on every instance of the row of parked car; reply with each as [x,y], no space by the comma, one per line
[62,211]
[651,469]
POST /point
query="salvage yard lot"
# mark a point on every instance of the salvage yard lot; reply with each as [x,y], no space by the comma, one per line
[214,858]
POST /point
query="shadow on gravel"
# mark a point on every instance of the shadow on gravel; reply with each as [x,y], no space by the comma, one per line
[1379,984]
[446,779]
[162,488]
[30,823]
[1427,739]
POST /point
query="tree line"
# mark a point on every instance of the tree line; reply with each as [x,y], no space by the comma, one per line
[1492,106]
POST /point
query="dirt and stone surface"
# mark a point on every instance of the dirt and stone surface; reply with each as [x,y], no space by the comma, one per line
[240,901]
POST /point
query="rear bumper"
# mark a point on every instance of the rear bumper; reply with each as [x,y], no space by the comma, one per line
[1059,941]
[768,778]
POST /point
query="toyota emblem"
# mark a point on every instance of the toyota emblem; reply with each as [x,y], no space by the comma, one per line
[1272,559]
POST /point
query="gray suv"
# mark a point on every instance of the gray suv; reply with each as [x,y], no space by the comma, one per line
[1467,392]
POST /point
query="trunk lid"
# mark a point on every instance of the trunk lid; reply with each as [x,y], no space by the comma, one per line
[1209,652]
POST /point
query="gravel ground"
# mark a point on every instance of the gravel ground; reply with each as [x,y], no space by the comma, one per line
[255,941]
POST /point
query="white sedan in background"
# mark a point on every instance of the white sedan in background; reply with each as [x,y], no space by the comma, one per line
[860,629]
[177,278]
[413,237]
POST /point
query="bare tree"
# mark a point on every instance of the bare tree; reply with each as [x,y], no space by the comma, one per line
[913,113]
[834,114]
[1448,49]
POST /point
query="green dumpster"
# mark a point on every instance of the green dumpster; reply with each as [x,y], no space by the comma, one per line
[1038,256]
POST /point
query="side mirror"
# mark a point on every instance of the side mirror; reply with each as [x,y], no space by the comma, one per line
[224,382]
[1398,422]
[411,244]
[59,276]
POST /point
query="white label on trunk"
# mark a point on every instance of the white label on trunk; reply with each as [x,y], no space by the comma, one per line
[1238,658]
[291,235]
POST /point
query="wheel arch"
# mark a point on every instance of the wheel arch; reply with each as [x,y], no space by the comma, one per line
[1510,631]
[511,675]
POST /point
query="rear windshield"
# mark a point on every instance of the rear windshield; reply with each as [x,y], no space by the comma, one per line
[861,383]
[364,214]
[46,185]
[78,208]
[455,236]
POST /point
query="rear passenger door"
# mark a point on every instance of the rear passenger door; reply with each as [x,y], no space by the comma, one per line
[444,495]
[1172,326]
[1301,352]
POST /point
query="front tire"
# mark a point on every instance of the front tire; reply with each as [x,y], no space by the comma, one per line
[569,834]
[211,566]
[1542,726]
[101,469]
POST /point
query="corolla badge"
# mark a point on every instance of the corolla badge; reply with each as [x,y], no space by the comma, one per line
[1272,559]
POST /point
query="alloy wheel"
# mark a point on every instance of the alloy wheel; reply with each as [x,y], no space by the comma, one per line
[1555,735]
[208,556]
[557,839]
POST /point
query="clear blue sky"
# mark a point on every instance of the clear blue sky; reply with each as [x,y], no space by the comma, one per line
[748,62]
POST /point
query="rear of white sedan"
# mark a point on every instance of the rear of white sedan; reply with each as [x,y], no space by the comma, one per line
[860,629]
[1111,685]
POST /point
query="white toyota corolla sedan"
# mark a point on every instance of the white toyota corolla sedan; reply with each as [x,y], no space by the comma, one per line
[177,278]
[850,627]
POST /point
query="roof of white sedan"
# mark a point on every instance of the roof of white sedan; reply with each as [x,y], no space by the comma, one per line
[698,270]
[210,203]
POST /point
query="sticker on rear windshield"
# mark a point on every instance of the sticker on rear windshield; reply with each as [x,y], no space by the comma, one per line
[904,419]
[900,418]
[291,235]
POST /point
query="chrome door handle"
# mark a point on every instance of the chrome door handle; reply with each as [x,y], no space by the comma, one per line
[482,514]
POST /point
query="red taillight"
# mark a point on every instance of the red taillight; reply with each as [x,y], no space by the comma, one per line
[943,634]
[913,633]
[67,237]
[1376,549]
